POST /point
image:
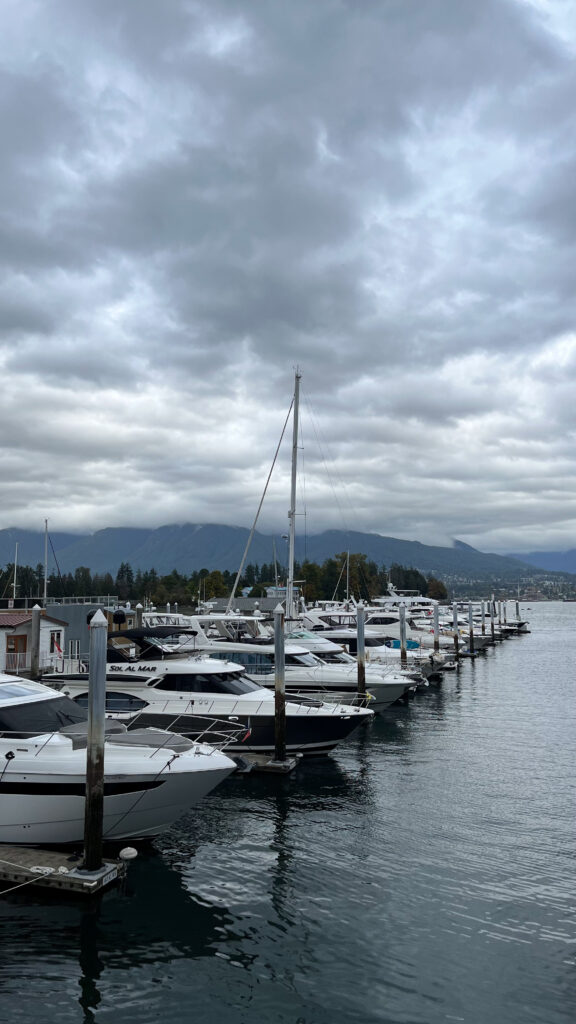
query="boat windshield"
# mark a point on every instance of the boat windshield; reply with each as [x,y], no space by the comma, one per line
[40,717]
[206,682]
[309,660]
[335,657]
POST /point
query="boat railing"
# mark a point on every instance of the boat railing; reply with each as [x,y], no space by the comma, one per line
[319,697]
[57,663]
[211,735]
[218,732]
[17,661]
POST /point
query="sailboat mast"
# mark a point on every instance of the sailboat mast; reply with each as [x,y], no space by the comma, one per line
[275,565]
[45,560]
[292,512]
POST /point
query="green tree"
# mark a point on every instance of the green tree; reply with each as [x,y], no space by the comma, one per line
[125,581]
[82,581]
[215,585]
[311,573]
[408,579]
[436,589]
[250,576]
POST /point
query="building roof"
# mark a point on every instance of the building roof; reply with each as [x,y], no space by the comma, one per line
[10,619]
[14,618]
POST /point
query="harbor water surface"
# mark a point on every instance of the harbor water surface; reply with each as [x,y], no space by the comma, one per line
[424,873]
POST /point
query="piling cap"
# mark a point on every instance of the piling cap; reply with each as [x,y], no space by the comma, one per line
[98,619]
[278,609]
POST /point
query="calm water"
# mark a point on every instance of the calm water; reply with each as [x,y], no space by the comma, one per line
[425,873]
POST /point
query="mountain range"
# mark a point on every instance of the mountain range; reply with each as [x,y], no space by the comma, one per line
[553,561]
[191,546]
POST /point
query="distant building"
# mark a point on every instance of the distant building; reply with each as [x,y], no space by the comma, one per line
[79,611]
[15,640]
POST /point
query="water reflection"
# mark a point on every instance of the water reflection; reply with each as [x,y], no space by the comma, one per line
[283,847]
[90,965]
[154,919]
[422,873]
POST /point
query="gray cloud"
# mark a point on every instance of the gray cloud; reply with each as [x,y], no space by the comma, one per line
[197,197]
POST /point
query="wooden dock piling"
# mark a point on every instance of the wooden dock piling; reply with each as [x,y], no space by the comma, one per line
[455,628]
[279,686]
[95,747]
[361,648]
[402,615]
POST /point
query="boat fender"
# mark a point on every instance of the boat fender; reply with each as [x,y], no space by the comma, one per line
[128,853]
[9,755]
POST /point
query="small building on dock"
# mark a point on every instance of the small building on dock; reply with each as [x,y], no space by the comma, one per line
[15,640]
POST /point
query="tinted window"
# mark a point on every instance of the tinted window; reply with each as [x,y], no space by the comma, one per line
[124,677]
[40,717]
[212,682]
[116,701]
[302,659]
[256,662]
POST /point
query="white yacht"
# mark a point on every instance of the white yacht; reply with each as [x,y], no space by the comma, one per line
[383,629]
[388,665]
[246,641]
[204,696]
[151,777]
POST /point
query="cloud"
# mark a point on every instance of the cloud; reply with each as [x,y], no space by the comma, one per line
[198,197]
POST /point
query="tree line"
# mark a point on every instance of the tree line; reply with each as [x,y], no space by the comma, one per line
[344,575]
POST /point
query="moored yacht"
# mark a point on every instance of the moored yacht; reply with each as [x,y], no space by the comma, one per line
[202,696]
[151,777]
[244,641]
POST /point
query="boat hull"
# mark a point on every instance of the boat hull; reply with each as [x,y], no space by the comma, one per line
[307,733]
[49,809]
[380,695]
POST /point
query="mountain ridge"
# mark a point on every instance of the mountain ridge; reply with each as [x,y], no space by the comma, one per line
[551,561]
[190,547]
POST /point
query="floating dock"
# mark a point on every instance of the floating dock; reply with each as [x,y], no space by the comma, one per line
[253,762]
[53,869]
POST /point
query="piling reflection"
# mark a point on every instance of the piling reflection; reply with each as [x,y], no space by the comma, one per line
[153,919]
[90,964]
[432,852]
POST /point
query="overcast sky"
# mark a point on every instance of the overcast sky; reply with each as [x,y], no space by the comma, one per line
[197,197]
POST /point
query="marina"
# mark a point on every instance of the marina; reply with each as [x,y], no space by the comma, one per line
[422,872]
[288,531]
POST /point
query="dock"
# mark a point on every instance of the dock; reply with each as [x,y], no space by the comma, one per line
[254,762]
[54,869]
